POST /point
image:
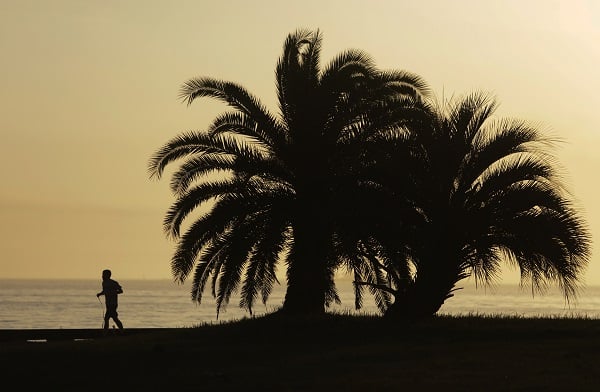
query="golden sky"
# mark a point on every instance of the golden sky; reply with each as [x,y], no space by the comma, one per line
[89,92]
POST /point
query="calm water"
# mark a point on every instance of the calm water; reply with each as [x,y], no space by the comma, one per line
[162,304]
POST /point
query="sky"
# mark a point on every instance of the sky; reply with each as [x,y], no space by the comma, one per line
[89,91]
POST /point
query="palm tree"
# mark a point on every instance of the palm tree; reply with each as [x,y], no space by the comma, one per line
[274,181]
[488,192]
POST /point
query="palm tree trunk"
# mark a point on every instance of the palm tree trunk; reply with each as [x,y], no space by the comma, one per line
[430,289]
[305,294]
[307,269]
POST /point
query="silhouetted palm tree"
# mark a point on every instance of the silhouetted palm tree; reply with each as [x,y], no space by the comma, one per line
[489,193]
[280,178]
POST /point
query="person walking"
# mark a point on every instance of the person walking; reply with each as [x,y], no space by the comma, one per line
[110,290]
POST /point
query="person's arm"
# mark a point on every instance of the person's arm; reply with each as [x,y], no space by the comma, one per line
[102,292]
[119,289]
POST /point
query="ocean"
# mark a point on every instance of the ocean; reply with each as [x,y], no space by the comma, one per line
[56,304]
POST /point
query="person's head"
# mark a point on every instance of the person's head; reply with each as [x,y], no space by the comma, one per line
[106,274]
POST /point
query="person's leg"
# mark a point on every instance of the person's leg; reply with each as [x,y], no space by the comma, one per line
[115,317]
[111,313]
[118,322]
[106,317]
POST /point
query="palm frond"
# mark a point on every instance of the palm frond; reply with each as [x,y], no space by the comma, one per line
[311,58]
[191,243]
[350,61]
[243,125]
[185,144]
[403,83]
[260,275]
[212,258]
[238,249]
[289,75]
[203,168]
[522,197]
[227,209]
[497,140]
[236,96]
[547,244]
[247,148]
[201,193]
[217,252]
[468,114]
[477,109]
[507,174]
[491,192]
[485,264]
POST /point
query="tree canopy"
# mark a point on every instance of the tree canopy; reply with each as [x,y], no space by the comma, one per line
[361,169]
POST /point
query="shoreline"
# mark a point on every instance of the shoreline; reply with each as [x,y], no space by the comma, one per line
[71,305]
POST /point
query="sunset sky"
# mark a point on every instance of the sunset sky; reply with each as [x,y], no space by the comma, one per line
[89,92]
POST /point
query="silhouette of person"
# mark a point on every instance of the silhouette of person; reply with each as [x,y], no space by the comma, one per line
[110,290]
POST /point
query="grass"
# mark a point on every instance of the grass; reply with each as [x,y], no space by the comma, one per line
[332,353]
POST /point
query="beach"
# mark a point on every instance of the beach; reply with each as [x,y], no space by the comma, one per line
[331,353]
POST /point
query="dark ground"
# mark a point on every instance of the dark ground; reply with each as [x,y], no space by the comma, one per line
[334,353]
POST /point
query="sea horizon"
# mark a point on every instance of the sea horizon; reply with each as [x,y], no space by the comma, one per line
[38,303]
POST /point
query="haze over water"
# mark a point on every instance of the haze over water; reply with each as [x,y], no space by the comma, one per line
[41,304]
